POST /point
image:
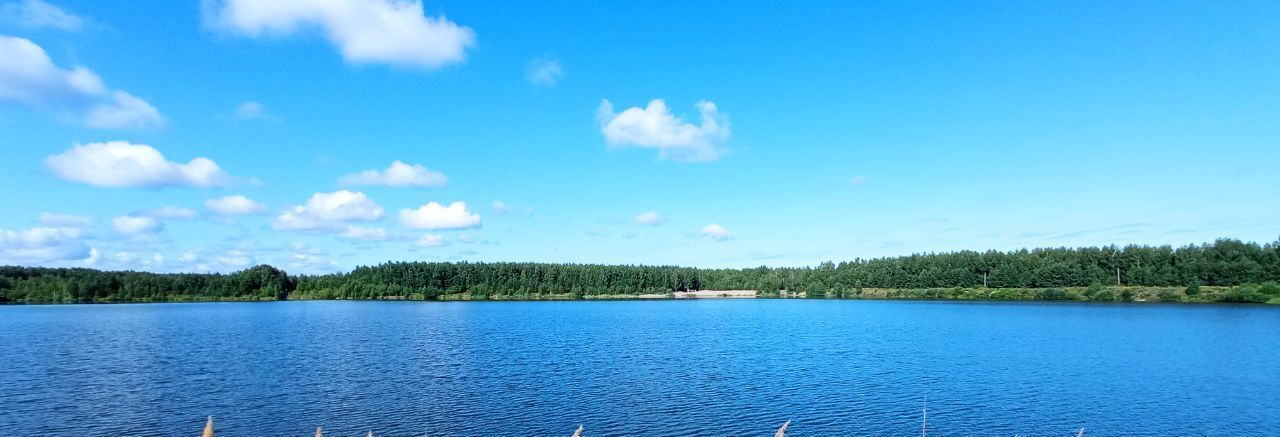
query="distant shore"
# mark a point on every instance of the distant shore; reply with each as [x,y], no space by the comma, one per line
[1134,294]
[1225,271]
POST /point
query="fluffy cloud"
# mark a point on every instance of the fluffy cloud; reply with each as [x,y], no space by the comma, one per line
[170,213]
[123,111]
[234,205]
[649,218]
[716,232]
[393,32]
[329,212]
[41,245]
[311,264]
[544,72]
[136,225]
[29,77]
[364,234]
[65,220]
[222,259]
[36,14]
[125,260]
[93,258]
[436,216]
[236,259]
[655,127]
[398,174]
[430,240]
[204,259]
[122,164]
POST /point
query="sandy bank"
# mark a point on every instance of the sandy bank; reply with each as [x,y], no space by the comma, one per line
[702,294]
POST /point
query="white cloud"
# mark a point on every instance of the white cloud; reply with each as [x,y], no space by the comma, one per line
[36,14]
[93,258]
[858,180]
[649,218]
[213,259]
[307,259]
[29,77]
[124,258]
[430,240]
[42,245]
[234,205]
[170,213]
[136,225]
[436,216]
[544,72]
[122,164]
[311,264]
[364,234]
[236,259]
[716,232]
[226,259]
[502,208]
[329,212]
[65,220]
[124,111]
[392,32]
[655,127]
[398,174]
[130,260]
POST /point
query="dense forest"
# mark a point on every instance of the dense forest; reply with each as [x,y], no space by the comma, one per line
[1229,270]
[31,284]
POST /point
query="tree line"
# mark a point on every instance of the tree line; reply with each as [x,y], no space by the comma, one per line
[35,284]
[1223,263]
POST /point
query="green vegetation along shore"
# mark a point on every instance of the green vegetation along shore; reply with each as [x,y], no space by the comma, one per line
[1223,271]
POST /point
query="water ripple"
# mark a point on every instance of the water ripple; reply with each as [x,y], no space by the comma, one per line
[701,368]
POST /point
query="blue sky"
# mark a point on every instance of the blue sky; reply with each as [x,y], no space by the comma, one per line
[785,134]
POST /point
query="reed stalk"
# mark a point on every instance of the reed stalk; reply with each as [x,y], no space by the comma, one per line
[782,431]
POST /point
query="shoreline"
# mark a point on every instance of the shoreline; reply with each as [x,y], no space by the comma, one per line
[1135,295]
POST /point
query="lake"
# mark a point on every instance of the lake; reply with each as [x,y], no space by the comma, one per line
[642,368]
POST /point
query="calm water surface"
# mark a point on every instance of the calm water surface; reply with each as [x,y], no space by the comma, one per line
[663,368]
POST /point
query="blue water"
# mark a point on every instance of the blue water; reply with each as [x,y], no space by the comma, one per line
[662,368]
